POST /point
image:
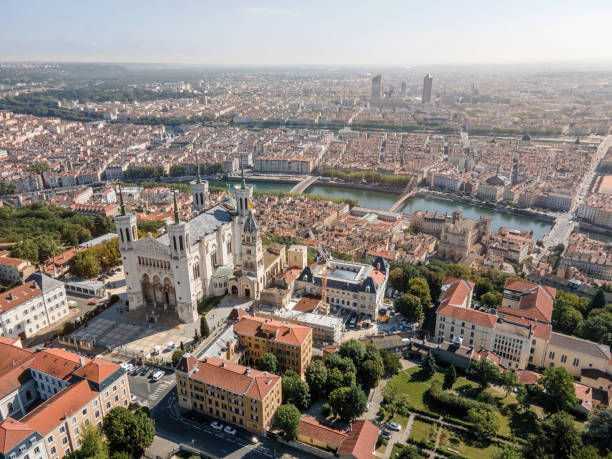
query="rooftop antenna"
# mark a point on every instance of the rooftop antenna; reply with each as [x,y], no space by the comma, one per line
[176,214]
[121,201]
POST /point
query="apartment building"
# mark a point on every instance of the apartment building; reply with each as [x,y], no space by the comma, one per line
[325,329]
[229,392]
[38,303]
[14,269]
[73,390]
[290,343]
[588,255]
[355,286]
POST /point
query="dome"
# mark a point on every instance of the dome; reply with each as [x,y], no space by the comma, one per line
[222,271]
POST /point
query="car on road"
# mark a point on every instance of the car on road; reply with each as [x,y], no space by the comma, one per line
[386,434]
[254,439]
[133,397]
[394,426]
[229,430]
[368,405]
[216,425]
[92,302]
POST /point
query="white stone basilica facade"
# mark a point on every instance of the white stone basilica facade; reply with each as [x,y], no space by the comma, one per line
[218,251]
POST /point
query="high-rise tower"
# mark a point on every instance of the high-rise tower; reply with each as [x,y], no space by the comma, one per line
[376,88]
[427,85]
[514,175]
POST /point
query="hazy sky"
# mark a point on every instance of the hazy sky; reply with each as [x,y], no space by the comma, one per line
[224,32]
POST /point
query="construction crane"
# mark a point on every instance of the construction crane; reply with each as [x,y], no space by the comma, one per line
[324,258]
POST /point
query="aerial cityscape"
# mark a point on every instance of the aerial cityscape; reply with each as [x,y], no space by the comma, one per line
[226,234]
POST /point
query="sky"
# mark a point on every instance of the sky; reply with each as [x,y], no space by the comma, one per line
[399,33]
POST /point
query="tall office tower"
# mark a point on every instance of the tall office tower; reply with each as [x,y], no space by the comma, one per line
[427,83]
[403,90]
[377,87]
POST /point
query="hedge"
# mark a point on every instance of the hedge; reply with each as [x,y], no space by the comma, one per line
[452,402]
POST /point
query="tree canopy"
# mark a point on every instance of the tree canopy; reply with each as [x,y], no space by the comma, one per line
[129,431]
[287,419]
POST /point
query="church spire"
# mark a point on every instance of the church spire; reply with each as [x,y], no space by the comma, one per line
[121,200]
[243,182]
[198,168]
[176,214]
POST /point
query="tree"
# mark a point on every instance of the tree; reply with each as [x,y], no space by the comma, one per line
[335,379]
[491,299]
[428,365]
[599,300]
[204,330]
[508,452]
[449,378]
[509,381]
[348,402]
[103,225]
[598,431]
[129,431]
[557,438]
[598,326]
[268,362]
[196,337]
[85,265]
[26,249]
[344,364]
[92,445]
[121,455]
[559,392]
[177,356]
[295,391]
[391,363]
[316,377]
[419,287]
[372,353]
[370,373]
[287,419]
[353,350]
[397,280]
[410,307]
[483,286]
[485,422]
[485,372]
[408,452]
[565,317]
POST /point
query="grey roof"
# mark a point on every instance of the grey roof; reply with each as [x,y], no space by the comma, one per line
[580,345]
[250,225]
[204,224]
[45,283]
[98,240]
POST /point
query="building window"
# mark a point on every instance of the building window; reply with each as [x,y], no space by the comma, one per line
[563,358]
[576,362]
[551,355]
[50,439]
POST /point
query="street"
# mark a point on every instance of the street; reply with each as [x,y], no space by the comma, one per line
[172,426]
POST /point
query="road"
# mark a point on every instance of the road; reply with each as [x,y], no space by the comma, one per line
[565,223]
[171,425]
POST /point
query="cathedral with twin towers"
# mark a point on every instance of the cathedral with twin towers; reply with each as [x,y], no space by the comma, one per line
[218,251]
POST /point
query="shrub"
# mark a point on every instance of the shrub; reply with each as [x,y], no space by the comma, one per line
[452,402]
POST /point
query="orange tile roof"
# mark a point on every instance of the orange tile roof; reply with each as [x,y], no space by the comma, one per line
[61,406]
[12,433]
[584,394]
[311,428]
[468,315]
[285,333]
[360,441]
[97,370]
[14,262]
[18,295]
[307,303]
[11,355]
[457,292]
[57,362]
[378,276]
[232,377]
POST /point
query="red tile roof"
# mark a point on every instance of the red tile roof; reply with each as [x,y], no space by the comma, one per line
[97,370]
[307,303]
[57,362]
[46,417]
[12,433]
[361,440]
[292,334]
[232,377]
[311,428]
[457,292]
[377,276]
[468,315]
[18,295]
[584,394]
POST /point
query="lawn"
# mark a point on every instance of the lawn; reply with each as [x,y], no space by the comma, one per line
[460,443]
[421,431]
[401,420]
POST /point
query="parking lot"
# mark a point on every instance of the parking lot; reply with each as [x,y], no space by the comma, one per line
[147,391]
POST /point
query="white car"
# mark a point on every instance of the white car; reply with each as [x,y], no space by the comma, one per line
[229,430]
[217,425]
[395,426]
[157,375]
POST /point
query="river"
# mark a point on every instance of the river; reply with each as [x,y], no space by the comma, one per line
[383,201]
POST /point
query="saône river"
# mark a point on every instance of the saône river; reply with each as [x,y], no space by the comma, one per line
[383,201]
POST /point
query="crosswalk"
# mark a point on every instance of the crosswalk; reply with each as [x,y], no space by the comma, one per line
[159,391]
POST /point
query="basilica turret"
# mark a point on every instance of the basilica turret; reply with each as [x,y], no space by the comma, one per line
[199,192]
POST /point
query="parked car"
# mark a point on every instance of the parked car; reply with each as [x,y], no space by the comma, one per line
[394,426]
[157,375]
[92,302]
[217,425]
[386,434]
[229,430]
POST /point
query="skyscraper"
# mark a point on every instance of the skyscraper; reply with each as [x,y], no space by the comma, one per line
[403,90]
[376,87]
[427,84]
